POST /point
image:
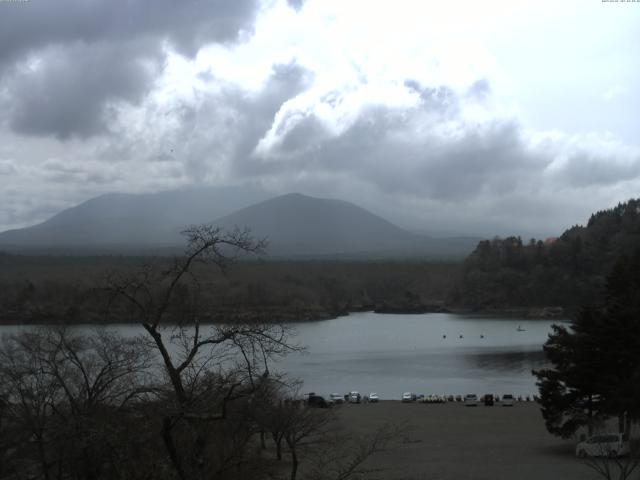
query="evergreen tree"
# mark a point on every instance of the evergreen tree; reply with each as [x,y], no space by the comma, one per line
[596,363]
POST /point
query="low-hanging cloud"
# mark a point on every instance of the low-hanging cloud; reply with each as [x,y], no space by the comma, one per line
[64,64]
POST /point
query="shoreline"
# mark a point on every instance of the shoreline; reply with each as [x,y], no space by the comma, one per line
[288,317]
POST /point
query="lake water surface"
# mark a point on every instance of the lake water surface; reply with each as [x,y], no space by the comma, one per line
[390,354]
[431,353]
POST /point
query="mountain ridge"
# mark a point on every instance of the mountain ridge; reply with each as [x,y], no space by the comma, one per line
[295,224]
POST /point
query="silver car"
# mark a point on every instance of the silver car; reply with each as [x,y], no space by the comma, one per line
[507,400]
[471,400]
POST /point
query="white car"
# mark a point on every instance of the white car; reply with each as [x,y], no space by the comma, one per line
[373,397]
[604,445]
[471,400]
[507,400]
[408,397]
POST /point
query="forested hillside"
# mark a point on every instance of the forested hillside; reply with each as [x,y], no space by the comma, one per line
[568,271]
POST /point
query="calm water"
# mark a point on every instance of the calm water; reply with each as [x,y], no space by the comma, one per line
[390,354]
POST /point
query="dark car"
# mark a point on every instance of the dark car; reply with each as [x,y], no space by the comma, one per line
[317,401]
[488,400]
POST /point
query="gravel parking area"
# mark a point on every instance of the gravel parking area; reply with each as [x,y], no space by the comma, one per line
[453,441]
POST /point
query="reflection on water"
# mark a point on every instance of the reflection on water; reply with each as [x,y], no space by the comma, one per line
[508,362]
[430,353]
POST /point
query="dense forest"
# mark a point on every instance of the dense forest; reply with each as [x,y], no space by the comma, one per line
[69,289]
[568,271]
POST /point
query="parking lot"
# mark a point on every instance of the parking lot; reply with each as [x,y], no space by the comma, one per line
[454,441]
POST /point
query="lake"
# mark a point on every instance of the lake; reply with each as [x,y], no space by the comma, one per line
[432,353]
[390,354]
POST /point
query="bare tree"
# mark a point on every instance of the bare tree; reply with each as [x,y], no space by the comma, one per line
[208,366]
[304,427]
[64,396]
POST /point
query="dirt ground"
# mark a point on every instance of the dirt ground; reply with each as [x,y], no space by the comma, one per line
[452,441]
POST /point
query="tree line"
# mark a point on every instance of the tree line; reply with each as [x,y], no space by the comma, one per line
[569,271]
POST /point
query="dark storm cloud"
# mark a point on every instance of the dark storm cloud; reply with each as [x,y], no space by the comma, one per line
[585,169]
[64,63]
[213,134]
[259,110]
[188,24]
[70,93]
[407,150]
[491,158]
[231,123]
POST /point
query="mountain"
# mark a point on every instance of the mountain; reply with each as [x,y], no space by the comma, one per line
[123,221]
[294,224]
[299,225]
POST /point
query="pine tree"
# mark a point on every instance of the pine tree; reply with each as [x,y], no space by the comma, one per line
[596,362]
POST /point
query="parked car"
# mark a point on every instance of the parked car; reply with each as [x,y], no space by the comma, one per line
[318,401]
[488,400]
[408,397]
[507,400]
[373,397]
[471,400]
[604,445]
[337,398]
[354,397]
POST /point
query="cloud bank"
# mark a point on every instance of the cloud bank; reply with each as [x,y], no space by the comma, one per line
[426,129]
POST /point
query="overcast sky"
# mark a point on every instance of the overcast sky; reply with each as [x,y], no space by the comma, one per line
[479,117]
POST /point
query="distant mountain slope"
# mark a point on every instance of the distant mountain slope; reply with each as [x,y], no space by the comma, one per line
[139,220]
[568,271]
[295,225]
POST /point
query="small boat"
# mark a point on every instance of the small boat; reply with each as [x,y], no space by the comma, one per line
[520,329]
